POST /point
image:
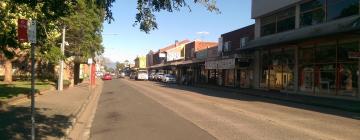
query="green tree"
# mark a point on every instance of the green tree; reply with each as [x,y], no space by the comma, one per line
[46,13]
[51,14]
[120,66]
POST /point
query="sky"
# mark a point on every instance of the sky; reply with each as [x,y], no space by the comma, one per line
[123,41]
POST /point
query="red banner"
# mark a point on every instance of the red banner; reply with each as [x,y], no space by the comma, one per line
[22,30]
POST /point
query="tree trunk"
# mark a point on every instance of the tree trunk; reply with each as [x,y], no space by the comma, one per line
[8,71]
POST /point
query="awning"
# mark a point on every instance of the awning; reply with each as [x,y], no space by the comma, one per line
[329,28]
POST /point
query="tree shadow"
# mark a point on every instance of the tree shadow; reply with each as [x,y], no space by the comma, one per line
[8,91]
[288,100]
[15,123]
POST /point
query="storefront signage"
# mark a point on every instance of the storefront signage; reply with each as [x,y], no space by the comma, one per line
[220,64]
[354,54]
[211,65]
[162,55]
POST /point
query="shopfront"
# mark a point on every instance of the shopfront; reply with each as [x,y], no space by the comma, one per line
[224,70]
[328,67]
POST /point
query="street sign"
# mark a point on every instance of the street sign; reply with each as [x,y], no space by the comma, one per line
[32,31]
[22,30]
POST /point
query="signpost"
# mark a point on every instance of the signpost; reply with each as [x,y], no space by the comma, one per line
[27,33]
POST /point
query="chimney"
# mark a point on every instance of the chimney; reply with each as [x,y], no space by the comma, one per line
[176,43]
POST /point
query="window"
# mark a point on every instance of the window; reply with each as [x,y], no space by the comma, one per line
[286,20]
[280,22]
[227,46]
[268,25]
[243,41]
[344,50]
[326,53]
[341,8]
[312,12]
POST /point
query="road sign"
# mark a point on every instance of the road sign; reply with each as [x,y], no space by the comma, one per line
[22,30]
[32,31]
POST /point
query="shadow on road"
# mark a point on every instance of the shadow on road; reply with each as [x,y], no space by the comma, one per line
[15,124]
[246,97]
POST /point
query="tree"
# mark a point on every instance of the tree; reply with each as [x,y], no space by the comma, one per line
[46,13]
[49,12]
[146,19]
[120,66]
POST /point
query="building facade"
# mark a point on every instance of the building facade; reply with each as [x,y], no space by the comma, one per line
[140,62]
[231,67]
[307,47]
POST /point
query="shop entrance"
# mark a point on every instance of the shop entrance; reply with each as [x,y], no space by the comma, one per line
[243,76]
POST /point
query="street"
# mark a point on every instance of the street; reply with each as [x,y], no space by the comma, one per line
[134,110]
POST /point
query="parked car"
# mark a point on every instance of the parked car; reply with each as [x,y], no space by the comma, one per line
[158,76]
[142,75]
[122,75]
[133,75]
[107,77]
[152,76]
[169,78]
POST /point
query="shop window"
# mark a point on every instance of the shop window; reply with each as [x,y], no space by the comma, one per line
[341,8]
[312,12]
[306,78]
[306,55]
[348,79]
[265,62]
[326,53]
[325,77]
[346,48]
[288,67]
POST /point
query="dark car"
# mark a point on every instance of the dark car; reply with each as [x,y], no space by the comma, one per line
[107,77]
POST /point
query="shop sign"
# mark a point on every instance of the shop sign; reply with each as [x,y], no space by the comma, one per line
[162,55]
[220,64]
[211,65]
[226,64]
[354,54]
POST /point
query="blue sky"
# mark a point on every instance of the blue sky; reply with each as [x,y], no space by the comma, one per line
[122,41]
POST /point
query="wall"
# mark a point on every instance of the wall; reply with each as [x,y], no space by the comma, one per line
[175,53]
[261,7]
[235,36]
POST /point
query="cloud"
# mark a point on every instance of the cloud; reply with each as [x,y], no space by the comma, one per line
[203,33]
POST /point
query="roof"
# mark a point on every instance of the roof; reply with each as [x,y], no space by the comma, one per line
[174,45]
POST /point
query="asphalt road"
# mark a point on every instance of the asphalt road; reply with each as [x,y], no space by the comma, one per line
[125,113]
[148,110]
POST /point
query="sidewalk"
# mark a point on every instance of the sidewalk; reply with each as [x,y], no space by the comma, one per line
[55,114]
[342,104]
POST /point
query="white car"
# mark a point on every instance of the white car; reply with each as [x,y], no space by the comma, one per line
[169,78]
[158,76]
[142,75]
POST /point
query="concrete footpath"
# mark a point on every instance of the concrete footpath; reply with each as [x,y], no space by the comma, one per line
[56,113]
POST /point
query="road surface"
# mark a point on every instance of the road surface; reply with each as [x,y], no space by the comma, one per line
[135,110]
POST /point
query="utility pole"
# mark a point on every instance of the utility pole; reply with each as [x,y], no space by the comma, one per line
[32,39]
[61,70]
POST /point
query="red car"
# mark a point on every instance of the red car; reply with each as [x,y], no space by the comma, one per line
[107,77]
